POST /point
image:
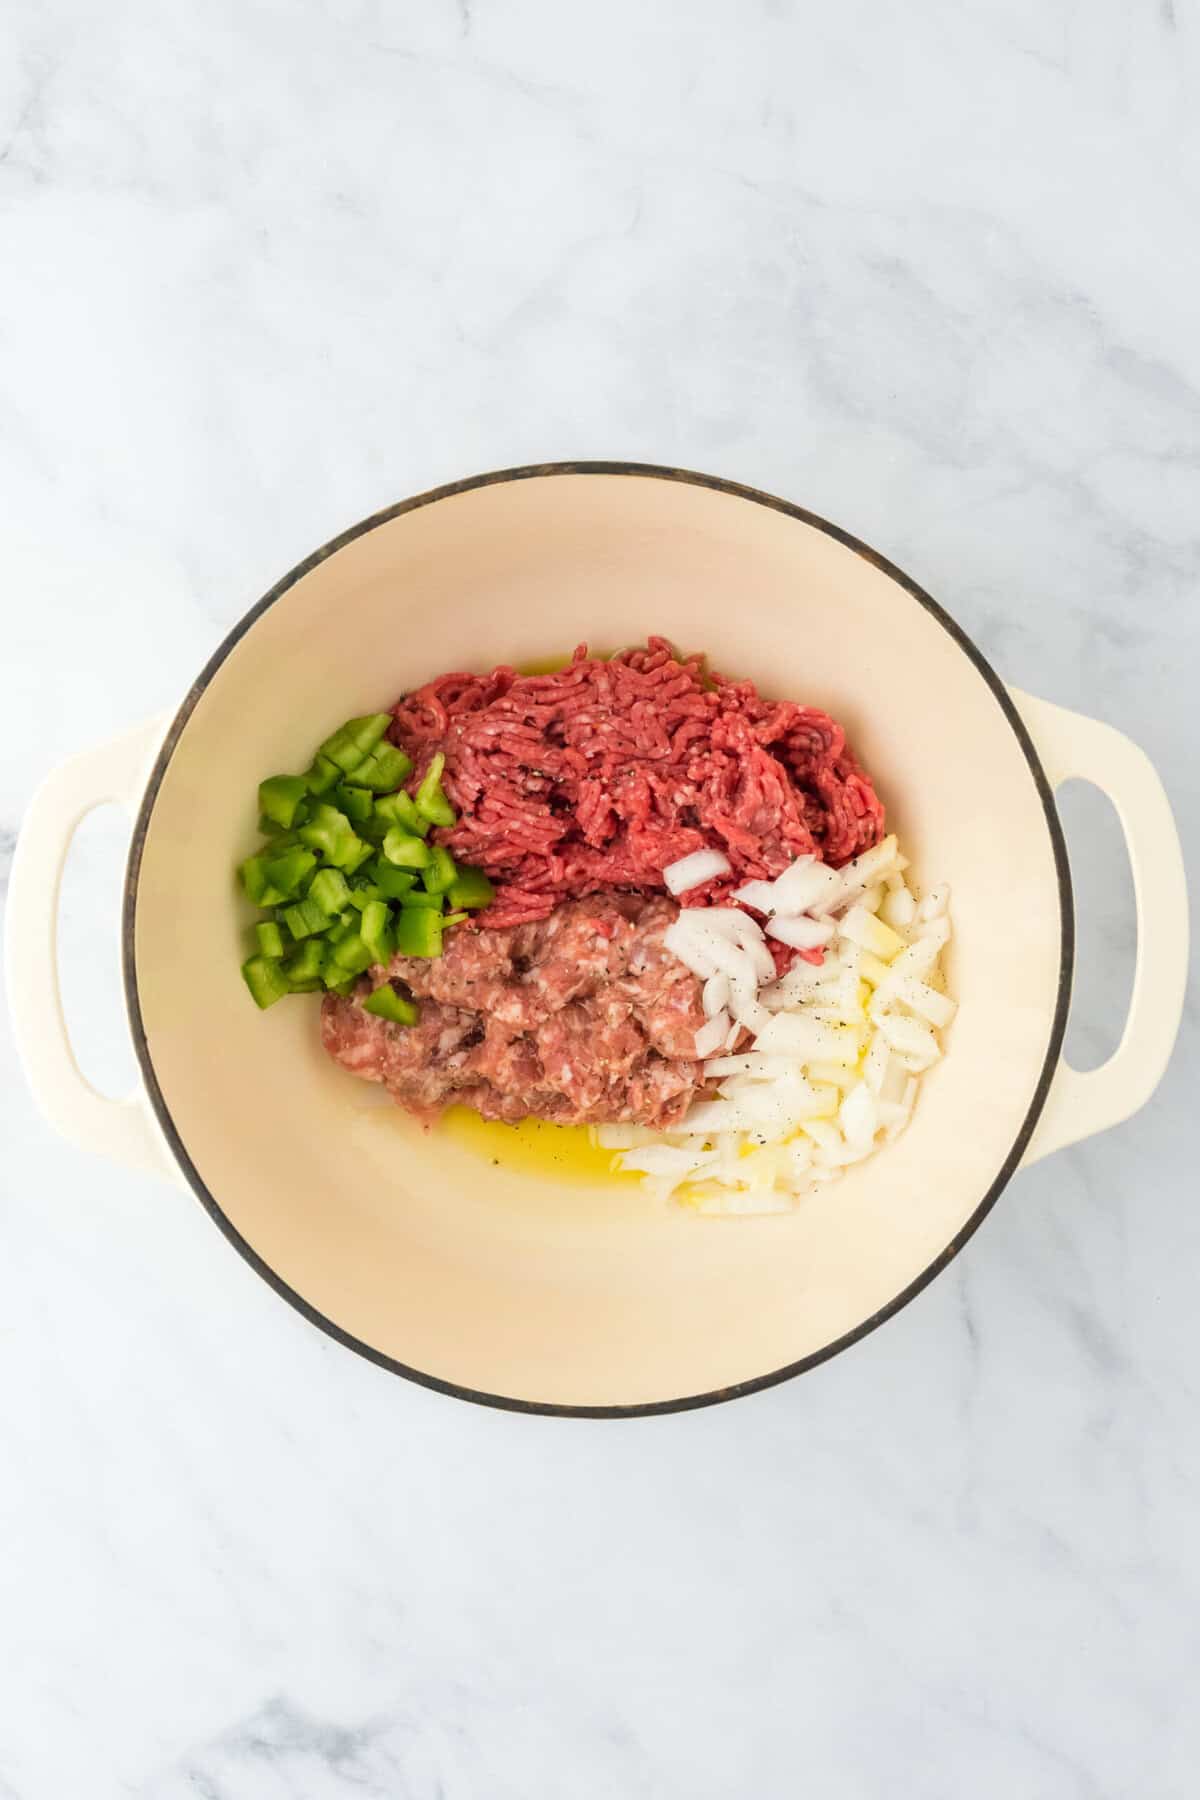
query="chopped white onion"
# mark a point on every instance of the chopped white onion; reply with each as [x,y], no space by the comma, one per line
[863,928]
[751,1062]
[808,886]
[858,1117]
[715,997]
[936,1009]
[812,1070]
[910,1039]
[935,903]
[758,894]
[899,909]
[711,1035]
[692,871]
[801,933]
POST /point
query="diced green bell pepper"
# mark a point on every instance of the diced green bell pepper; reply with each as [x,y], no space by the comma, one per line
[419,932]
[322,776]
[393,883]
[328,888]
[441,871]
[386,1003]
[383,768]
[418,897]
[280,797]
[351,954]
[266,980]
[337,983]
[432,803]
[355,801]
[358,857]
[454,918]
[472,889]
[376,931]
[405,851]
[308,963]
[253,873]
[351,742]
[331,832]
[286,872]
[308,960]
[401,809]
[269,939]
[306,918]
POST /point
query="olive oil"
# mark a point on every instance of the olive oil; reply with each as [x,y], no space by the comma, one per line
[560,1153]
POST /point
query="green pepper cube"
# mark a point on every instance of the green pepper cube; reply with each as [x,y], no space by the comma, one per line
[322,776]
[253,873]
[386,1003]
[305,919]
[405,851]
[472,889]
[351,955]
[280,796]
[419,898]
[401,809]
[419,932]
[431,801]
[331,832]
[383,768]
[337,983]
[351,742]
[376,930]
[308,963]
[358,854]
[355,801]
[439,876]
[269,939]
[266,980]
[286,872]
[454,918]
[329,890]
[392,883]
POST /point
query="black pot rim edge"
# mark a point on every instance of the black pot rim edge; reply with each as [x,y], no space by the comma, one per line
[162,1112]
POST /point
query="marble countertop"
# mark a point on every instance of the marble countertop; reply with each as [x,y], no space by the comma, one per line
[931,272]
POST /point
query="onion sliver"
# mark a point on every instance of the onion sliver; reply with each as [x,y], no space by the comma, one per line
[692,871]
[711,1035]
[801,933]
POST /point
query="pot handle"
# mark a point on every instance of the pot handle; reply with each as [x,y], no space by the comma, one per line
[121,1129]
[1081,1103]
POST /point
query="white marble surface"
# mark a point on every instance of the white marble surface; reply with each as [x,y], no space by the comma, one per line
[931,271]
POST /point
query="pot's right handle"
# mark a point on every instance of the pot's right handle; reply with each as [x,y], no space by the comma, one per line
[121,1129]
[1079,1103]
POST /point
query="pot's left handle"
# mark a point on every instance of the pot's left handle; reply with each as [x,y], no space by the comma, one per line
[122,1129]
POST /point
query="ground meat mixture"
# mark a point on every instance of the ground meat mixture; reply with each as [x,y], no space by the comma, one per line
[583,1016]
[601,774]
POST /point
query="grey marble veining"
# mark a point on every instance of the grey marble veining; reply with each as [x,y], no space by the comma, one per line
[934,273]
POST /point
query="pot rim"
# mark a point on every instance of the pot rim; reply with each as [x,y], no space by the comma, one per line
[162,1112]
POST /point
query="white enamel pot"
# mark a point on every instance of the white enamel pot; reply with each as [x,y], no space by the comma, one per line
[506,1287]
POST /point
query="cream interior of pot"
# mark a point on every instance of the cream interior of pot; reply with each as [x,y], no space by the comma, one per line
[510,1282]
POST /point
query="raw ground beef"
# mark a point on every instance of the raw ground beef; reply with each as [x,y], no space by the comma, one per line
[601,774]
[582,1016]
